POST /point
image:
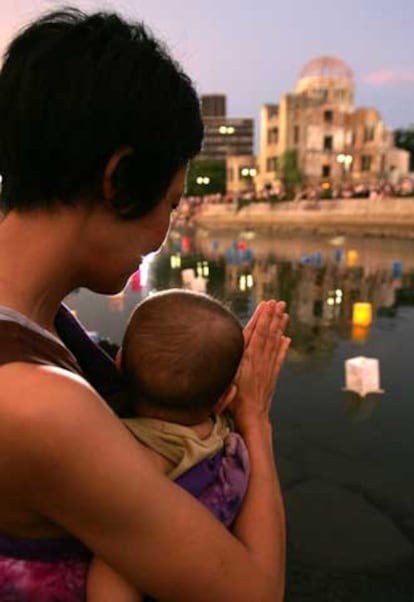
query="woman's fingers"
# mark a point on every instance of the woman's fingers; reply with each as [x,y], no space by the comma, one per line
[283,349]
[251,325]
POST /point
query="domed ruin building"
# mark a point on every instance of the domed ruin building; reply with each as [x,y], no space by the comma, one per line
[333,142]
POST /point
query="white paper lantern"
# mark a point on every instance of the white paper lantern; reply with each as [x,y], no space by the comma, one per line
[187,276]
[199,285]
[362,375]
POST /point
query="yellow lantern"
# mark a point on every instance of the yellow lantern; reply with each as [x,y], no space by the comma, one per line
[362,314]
[352,258]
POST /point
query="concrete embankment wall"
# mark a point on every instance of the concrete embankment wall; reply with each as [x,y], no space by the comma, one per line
[392,217]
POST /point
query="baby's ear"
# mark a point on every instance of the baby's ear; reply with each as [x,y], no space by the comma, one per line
[225,400]
[118,360]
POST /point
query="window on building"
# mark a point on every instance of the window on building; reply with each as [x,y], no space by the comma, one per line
[366,162]
[271,164]
[273,136]
[230,174]
[369,132]
[321,93]
[328,144]
[272,111]
[328,116]
[296,134]
[326,171]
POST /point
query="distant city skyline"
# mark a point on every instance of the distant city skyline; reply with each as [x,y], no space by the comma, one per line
[253,51]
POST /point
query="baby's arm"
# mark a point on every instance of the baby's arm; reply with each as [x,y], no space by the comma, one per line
[104,583]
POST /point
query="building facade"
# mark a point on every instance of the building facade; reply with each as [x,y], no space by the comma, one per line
[334,143]
[224,136]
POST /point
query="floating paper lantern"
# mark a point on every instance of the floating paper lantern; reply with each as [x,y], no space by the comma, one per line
[187,276]
[362,375]
[232,256]
[317,258]
[362,314]
[338,255]
[352,258]
[198,284]
[397,269]
[185,244]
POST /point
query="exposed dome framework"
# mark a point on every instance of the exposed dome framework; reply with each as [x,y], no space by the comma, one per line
[327,66]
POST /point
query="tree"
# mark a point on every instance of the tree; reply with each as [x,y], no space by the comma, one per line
[206,176]
[404,138]
[289,172]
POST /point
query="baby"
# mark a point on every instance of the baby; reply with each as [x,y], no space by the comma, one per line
[179,357]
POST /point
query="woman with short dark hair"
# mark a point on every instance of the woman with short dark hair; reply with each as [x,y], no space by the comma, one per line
[97,125]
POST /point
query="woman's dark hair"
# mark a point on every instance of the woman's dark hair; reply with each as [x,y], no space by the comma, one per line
[74,88]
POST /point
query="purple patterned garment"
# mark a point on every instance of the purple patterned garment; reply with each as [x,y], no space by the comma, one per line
[42,570]
[221,483]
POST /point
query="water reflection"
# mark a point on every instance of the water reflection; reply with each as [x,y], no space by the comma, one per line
[345,463]
[359,408]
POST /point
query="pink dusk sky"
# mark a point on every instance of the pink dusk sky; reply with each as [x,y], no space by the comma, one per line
[253,50]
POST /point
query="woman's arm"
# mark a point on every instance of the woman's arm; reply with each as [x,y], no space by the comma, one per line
[266,348]
[76,464]
[103,583]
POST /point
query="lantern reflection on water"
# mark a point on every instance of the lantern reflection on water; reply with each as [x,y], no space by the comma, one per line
[359,333]
[175,261]
[246,282]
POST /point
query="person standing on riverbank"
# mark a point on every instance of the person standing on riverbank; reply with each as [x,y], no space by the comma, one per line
[97,125]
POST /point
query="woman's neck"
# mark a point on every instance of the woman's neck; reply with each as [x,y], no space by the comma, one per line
[36,264]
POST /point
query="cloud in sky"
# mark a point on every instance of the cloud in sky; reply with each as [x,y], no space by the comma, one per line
[387,77]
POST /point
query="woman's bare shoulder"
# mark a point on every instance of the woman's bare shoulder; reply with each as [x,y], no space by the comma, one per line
[38,392]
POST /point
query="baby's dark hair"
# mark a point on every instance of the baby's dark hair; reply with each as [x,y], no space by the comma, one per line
[74,88]
[181,350]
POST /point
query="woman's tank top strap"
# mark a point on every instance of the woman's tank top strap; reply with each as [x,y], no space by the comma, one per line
[18,343]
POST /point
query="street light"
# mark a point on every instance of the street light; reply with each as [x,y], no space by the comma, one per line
[203,180]
[227,130]
[248,172]
[345,160]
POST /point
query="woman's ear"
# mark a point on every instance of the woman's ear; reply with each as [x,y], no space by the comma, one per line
[225,400]
[109,180]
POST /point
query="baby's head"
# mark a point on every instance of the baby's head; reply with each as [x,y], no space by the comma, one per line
[180,354]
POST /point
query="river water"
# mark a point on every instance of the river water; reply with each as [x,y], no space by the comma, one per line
[345,462]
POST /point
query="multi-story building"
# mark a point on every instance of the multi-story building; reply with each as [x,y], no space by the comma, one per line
[224,136]
[214,105]
[334,142]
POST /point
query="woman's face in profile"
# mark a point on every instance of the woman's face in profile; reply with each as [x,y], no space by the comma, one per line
[156,224]
[116,247]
